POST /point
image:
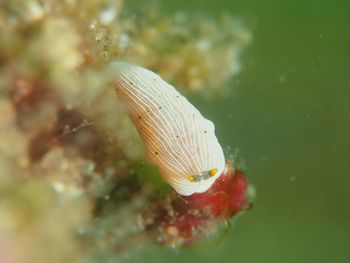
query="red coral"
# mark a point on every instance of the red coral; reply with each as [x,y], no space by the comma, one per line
[184,220]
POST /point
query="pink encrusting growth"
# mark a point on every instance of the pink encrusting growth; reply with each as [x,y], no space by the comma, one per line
[226,197]
[183,220]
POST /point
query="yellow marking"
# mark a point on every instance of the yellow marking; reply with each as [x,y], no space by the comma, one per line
[191,178]
[213,171]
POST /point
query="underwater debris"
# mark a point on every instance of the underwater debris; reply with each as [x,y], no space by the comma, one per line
[191,51]
[69,156]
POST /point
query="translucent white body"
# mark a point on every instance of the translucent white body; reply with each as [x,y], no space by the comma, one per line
[178,139]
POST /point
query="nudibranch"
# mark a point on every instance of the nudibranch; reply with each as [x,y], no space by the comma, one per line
[178,139]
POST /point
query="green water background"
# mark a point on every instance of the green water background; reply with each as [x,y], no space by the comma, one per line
[288,114]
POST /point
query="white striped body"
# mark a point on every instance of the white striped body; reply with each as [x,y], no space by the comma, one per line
[178,139]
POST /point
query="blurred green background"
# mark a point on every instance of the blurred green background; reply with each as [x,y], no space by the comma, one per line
[288,113]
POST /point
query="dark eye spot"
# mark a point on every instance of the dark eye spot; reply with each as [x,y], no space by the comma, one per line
[139,117]
[156,153]
[177,97]
[177,136]
[205,131]
[159,107]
